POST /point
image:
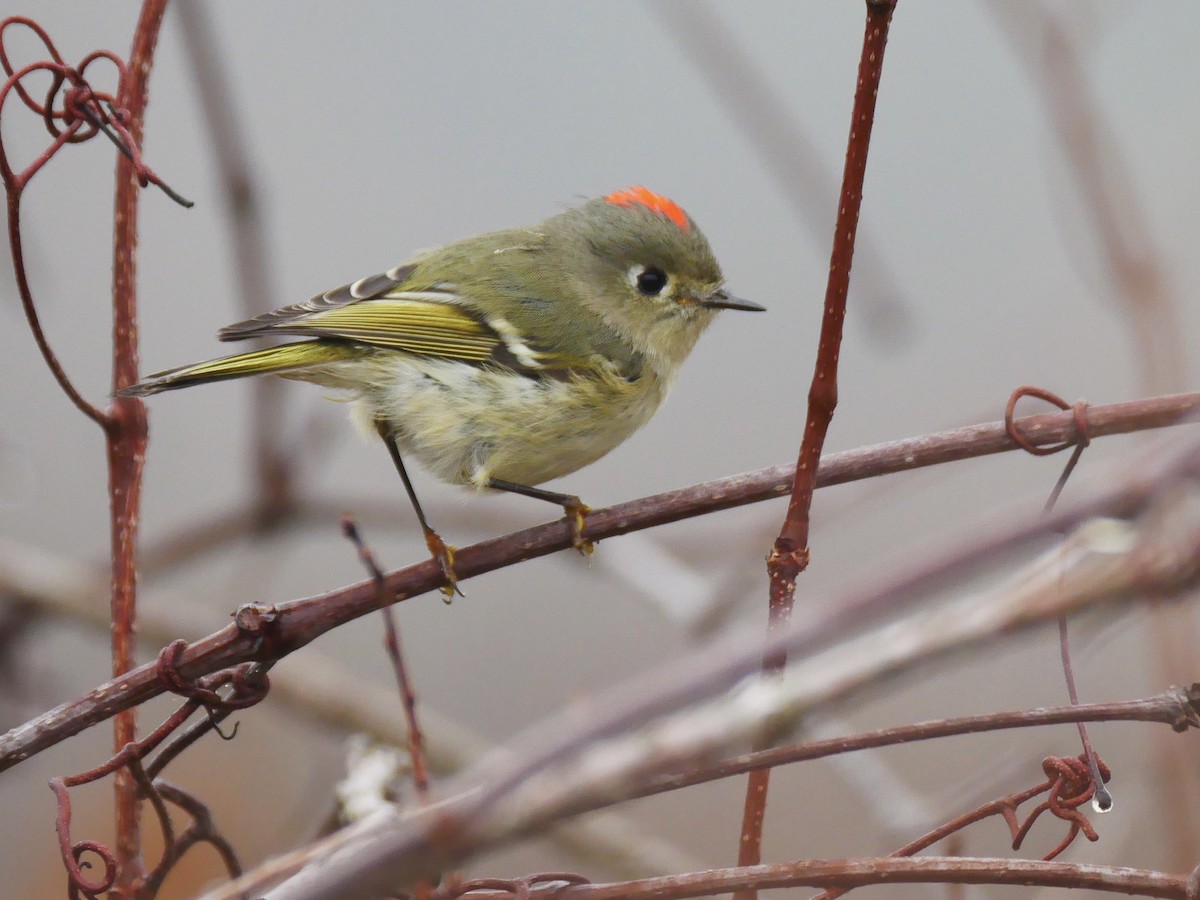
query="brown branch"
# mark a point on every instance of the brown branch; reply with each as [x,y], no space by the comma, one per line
[792,545]
[325,693]
[1141,537]
[197,539]
[271,633]
[408,697]
[767,121]
[1069,785]
[74,112]
[1132,266]
[35,324]
[789,556]
[76,131]
[126,432]
[1176,707]
[201,830]
[851,873]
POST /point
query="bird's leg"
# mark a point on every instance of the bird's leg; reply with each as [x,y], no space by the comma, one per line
[441,551]
[574,508]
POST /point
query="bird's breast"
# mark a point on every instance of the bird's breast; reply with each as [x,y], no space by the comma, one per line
[467,424]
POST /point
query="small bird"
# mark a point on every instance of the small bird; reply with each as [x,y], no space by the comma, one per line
[504,360]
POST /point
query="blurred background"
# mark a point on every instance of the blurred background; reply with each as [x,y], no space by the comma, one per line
[1029,218]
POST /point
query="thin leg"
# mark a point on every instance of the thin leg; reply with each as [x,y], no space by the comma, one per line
[574,508]
[442,552]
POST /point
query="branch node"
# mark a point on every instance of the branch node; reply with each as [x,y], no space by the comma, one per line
[248,683]
[1082,432]
[261,623]
[518,888]
[1193,885]
[1189,708]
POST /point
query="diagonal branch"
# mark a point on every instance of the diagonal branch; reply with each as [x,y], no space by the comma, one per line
[1124,544]
[266,633]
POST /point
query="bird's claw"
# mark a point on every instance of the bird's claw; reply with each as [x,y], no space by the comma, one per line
[576,512]
[443,553]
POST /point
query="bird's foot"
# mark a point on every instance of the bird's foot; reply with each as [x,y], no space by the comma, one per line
[443,554]
[576,512]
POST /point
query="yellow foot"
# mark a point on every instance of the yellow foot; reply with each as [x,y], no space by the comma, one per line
[444,554]
[576,511]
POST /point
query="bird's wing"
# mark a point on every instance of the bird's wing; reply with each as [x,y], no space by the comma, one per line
[379,311]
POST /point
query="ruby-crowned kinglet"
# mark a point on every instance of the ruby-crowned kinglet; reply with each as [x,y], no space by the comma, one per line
[504,360]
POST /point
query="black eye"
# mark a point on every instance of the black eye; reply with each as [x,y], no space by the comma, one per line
[651,281]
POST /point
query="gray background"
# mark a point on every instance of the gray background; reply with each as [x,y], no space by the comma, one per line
[378,128]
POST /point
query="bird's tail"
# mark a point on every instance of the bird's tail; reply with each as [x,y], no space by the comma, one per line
[286,359]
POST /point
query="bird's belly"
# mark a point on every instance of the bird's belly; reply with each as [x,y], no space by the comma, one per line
[467,424]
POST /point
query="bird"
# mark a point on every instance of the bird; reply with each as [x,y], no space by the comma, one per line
[507,359]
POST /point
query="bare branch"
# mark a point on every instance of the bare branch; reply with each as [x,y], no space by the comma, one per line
[689,712]
[265,633]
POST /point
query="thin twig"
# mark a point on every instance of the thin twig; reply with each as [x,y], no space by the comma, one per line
[202,830]
[790,553]
[408,697]
[849,873]
[1068,785]
[736,76]
[1104,800]
[14,184]
[1134,271]
[1176,707]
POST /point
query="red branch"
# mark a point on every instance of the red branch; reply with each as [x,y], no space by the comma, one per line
[126,432]
[789,556]
[81,109]
[558,768]
[849,873]
[1068,784]
[391,642]
[73,112]
[82,113]
[1176,707]
[249,686]
[408,697]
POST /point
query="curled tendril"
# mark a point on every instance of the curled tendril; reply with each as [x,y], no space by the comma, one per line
[73,853]
[249,685]
[73,111]
[1070,786]
[1079,410]
[79,883]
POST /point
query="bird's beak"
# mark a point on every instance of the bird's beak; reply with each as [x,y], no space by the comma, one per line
[722,299]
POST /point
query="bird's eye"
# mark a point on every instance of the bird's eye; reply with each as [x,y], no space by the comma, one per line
[651,281]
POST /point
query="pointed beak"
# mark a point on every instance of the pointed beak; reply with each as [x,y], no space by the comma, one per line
[722,299]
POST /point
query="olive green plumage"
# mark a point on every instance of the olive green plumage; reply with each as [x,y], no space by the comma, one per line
[518,355]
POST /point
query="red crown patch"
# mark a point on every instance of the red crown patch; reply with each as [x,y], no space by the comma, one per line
[640,196]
